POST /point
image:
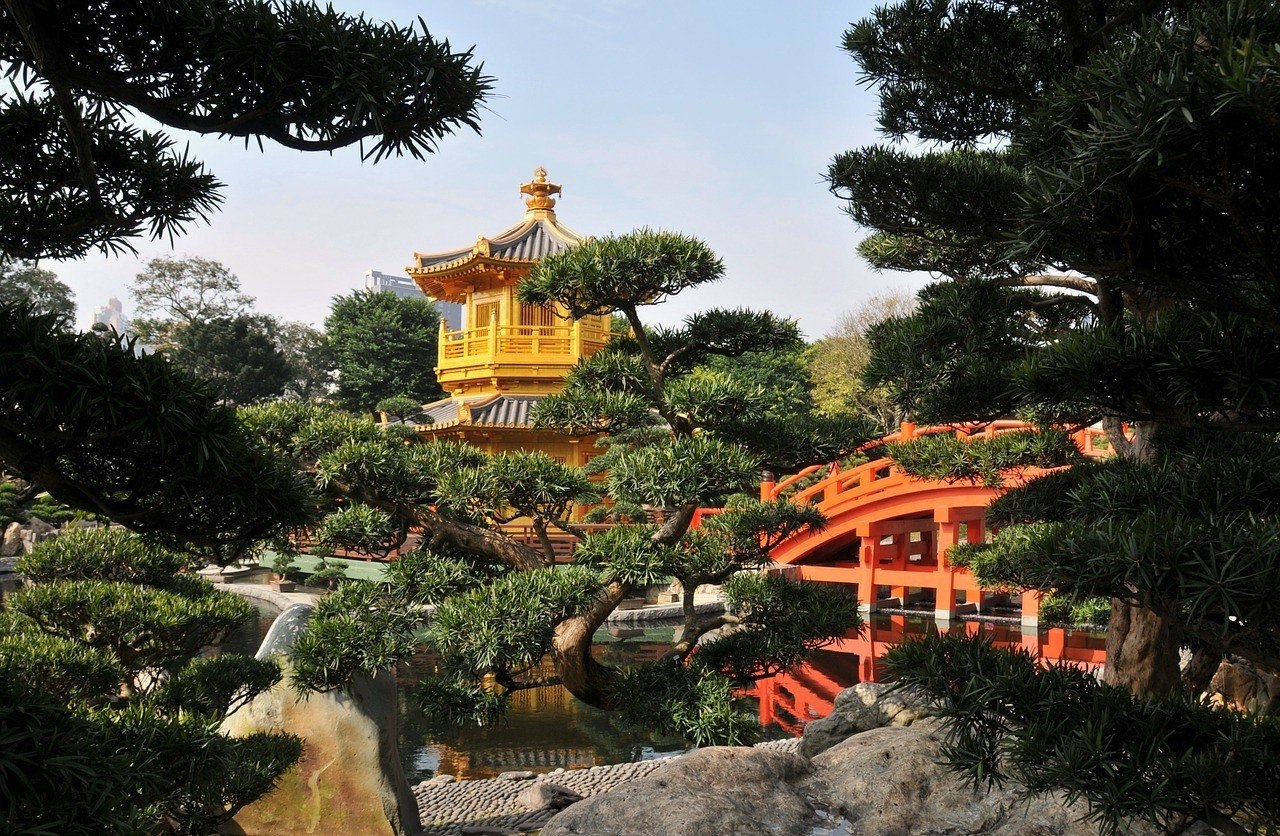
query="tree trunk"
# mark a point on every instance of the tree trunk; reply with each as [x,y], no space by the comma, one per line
[1142,651]
[1200,670]
[1142,647]
[579,672]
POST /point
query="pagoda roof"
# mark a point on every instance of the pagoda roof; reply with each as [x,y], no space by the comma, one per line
[537,236]
[493,410]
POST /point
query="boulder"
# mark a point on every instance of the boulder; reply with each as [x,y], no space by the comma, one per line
[889,781]
[546,796]
[1240,686]
[865,706]
[349,778]
[11,545]
[738,790]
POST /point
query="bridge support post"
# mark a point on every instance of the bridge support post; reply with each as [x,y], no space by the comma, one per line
[867,558]
[1031,609]
[944,600]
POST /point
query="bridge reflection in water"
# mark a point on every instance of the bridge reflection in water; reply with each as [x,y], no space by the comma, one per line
[791,700]
[547,728]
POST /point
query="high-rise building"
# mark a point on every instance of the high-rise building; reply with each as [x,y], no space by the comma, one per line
[111,315]
[405,287]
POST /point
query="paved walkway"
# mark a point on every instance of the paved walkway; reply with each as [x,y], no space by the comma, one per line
[488,806]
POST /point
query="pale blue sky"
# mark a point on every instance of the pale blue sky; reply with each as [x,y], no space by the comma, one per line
[716,119]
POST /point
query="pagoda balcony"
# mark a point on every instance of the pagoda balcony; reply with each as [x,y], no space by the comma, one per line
[522,351]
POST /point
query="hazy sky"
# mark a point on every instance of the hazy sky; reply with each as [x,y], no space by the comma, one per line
[716,119]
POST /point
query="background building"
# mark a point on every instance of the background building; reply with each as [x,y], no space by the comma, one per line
[111,315]
[377,281]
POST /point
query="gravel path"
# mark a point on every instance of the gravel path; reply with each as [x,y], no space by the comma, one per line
[488,806]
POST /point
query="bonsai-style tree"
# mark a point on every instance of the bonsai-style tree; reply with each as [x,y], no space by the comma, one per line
[110,635]
[502,608]
[1097,205]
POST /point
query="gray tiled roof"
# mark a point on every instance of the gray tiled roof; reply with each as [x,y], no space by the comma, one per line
[486,411]
[505,411]
[529,240]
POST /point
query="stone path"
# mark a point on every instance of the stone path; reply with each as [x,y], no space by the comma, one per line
[488,806]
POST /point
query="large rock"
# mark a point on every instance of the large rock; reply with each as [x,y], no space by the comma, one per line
[865,706]
[729,790]
[888,781]
[1240,686]
[11,545]
[349,779]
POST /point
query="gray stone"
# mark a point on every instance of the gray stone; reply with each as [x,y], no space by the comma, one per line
[888,780]
[865,706]
[738,790]
[517,775]
[11,545]
[545,796]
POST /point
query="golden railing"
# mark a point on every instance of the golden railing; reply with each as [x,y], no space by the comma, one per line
[549,341]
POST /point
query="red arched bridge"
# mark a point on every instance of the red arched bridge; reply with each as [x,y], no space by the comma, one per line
[888,533]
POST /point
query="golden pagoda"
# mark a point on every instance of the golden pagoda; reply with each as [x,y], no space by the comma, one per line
[509,354]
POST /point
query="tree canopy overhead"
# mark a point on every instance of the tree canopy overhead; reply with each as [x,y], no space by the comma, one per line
[304,76]
[1086,185]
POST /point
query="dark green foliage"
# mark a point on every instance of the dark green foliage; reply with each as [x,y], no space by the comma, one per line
[354,631]
[1059,609]
[985,460]
[239,355]
[112,629]
[690,701]
[506,625]
[66,670]
[461,703]
[783,622]
[1169,760]
[180,466]
[215,687]
[141,626]
[517,484]
[60,775]
[402,408]
[422,577]
[360,529]
[630,554]
[100,181]
[113,554]
[383,343]
[696,470]
[620,273]
[328,575]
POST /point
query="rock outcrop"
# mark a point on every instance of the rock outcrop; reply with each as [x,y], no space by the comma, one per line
[865,706]
[876,772]
[11,544]
[349,779]
[731,790]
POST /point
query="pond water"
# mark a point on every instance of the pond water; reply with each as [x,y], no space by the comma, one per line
[548,728]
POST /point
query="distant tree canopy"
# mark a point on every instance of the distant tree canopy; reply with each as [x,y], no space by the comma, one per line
[238,354]
[383,345]
[24,281]
[838,360]
[82,70]
[171,292]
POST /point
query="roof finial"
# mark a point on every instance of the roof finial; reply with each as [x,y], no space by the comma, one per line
[539,191]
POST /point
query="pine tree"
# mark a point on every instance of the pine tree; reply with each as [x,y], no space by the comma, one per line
[1098,210]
